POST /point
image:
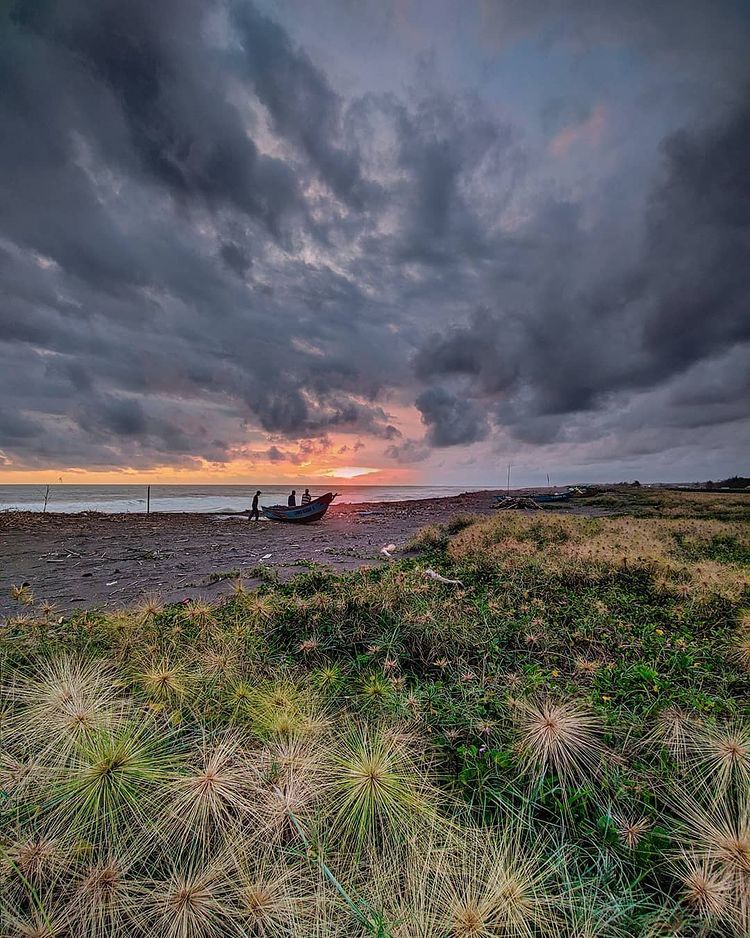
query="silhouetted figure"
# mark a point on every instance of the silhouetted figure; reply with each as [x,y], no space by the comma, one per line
[254,511]
[292,500]
[306,497]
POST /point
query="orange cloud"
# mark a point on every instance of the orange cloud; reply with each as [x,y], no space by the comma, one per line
[315,461]
[588,131]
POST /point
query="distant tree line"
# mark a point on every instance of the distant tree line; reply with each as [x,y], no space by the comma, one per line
[735,482]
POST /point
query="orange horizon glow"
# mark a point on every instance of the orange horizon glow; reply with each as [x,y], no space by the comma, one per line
[317,461]
[349,472]
[228,474]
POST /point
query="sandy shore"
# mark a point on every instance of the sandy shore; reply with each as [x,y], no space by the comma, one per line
[97,560]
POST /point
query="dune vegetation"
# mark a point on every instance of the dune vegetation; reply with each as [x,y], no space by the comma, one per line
[559,745]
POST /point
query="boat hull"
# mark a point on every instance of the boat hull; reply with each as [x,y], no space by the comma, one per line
[545,498]
[300,514]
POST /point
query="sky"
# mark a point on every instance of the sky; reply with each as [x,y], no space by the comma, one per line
[402,242]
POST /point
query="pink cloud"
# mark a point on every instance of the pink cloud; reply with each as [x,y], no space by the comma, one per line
[587,131]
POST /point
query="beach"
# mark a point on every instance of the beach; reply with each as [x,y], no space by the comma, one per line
[97,560]
[500,695]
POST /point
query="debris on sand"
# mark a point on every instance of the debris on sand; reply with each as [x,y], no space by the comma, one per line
[442,579]
[388,550]
[516,503]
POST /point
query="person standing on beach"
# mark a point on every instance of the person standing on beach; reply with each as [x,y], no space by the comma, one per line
[306,497]
[292,500]
[254,512]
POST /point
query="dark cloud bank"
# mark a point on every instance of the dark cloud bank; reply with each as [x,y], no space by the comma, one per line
[183,191]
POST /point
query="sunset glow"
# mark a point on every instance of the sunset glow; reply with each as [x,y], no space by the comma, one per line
[236,472]
[349,472]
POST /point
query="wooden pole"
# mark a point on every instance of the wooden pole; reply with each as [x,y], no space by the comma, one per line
[46,497]
[148,499]
[508,489]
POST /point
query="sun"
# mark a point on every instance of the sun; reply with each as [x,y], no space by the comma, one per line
[349,472]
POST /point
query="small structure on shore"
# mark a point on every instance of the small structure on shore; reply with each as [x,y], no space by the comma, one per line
[506,502]
[537,499]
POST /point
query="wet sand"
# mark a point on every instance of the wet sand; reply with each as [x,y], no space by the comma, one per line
[93,560]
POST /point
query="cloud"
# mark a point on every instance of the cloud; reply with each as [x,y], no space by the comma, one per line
[700,33]
[210,246]
[588,131]
[450,420]
[626,327]
[410,451]
[302,106]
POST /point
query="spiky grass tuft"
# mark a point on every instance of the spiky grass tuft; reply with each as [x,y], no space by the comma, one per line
[113,782]
[704,887]
[275,895]
[22,594]
[376,790]
[714,831]
[489,885]
[722,754]
[104,900]
[742,648]
[61,704]
[150,605]
[212,798]
[630,830]
[164,681]
[673,731]
[282,709]
[561,737]
[191,902]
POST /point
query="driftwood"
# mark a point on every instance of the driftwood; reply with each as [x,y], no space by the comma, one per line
[441,579]
[388,550]
[522,502]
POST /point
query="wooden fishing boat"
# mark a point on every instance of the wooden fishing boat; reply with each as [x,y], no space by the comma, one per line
[542,499]
[301,514]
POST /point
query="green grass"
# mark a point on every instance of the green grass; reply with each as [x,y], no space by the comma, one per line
[559,747]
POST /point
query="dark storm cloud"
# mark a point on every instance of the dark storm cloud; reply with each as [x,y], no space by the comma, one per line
[137,82]
[303,107]
[410,451]
[450,420]
[698,243]
[14,427]
[203,240]
[683,301]
[479,350]
[235,258]
[442,145]
[274,454]
[128,157]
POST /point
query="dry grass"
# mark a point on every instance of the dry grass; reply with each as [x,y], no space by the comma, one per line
[589,547]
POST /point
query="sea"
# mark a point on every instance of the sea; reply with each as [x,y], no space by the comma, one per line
[114,499]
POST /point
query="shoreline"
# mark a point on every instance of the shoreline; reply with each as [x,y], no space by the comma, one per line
[99,560]
[190,499]
[95,560]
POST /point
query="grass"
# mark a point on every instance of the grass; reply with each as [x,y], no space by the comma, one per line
[559,747]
